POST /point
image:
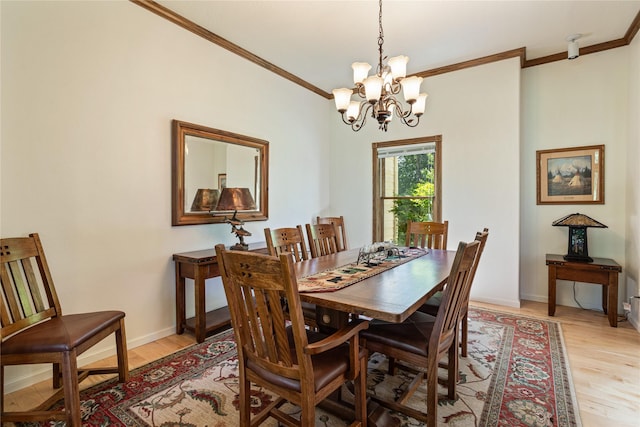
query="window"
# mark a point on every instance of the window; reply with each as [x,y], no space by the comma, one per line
[406,185]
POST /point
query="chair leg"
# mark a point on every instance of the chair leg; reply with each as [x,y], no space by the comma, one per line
[464,332]
[1,390]
[360,394]
[121,349]
[57,376]
[452,369]
[308,412]
[432,399]
[245,401]
[71,388]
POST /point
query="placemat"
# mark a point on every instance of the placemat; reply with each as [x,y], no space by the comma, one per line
[348,274]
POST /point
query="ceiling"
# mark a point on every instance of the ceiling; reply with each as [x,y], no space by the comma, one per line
[318,40]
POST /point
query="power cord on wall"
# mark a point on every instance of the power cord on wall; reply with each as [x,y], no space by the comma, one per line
[622,318]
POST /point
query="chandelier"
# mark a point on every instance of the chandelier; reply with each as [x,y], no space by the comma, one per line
[378,92]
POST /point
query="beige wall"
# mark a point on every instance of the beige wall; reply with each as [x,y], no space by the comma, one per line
[570,104]
[89,90]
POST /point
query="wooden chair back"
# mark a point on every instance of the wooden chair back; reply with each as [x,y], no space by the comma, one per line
[33,330]
[277,354]
[323,239]
[28,294]
[454,298]
[423,342]
[338,221]
[254,286]
[429,234]
[287,239]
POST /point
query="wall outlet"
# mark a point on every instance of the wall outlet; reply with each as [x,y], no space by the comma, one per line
[626,306]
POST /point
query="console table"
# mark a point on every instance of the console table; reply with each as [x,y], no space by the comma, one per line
[199,266]
[602,271]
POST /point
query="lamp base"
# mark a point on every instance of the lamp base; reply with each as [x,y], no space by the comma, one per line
[240,247]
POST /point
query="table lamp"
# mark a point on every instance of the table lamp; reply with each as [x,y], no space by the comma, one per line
[235,199]
[578,223]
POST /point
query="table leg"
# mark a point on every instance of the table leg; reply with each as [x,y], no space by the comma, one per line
[552,290]
[605,298]
[613,299]
[180,301]
[201,314]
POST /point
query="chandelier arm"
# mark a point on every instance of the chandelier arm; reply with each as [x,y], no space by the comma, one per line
[410,122]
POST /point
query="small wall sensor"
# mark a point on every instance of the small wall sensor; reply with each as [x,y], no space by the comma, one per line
[573,50]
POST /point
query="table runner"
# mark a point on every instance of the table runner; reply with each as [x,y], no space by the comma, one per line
[348,274]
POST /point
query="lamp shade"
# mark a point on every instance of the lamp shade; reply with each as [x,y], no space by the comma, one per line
[342,97]
[235,199]
[578,220]
[373,88]
[360,71]
[206,199]
[411,88]
[398,65]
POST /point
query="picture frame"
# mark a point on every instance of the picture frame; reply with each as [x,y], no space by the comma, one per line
[222,181]
[570,175]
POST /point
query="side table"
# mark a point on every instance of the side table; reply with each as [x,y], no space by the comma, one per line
[602,271]
[199,266]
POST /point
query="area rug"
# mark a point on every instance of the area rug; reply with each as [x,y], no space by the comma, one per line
[516,374]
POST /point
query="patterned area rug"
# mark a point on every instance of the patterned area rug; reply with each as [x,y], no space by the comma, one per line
[516,374]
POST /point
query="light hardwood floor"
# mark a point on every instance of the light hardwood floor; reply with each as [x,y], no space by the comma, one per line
[604,362]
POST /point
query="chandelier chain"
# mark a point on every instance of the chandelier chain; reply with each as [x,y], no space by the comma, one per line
[380,39]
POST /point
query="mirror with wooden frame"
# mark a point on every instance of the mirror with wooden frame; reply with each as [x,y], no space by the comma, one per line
[206,161]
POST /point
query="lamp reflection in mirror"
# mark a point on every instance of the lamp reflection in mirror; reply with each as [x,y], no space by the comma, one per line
[206,199]
[235,199]
[578,223]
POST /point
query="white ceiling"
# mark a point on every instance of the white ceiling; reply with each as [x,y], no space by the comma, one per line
[318,40]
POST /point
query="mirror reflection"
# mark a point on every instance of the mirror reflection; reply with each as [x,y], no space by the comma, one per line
[210,163]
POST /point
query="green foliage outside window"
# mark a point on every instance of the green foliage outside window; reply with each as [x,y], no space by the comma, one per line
[415,178]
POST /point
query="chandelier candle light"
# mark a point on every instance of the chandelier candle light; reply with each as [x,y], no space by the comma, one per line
[378,92]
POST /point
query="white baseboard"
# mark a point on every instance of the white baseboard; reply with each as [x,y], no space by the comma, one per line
[498,301]
[42,372]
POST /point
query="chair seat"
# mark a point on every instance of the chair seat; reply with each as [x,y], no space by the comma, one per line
[327,365]
[412,335]
[432,305]
[60,333]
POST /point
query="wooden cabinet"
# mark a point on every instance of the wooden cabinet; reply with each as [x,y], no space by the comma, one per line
[200,266]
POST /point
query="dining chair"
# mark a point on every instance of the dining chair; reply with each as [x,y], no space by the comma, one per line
[287,239]
[291,240]
[300,366]
[432,305]
[342,231]
[323,239]
[429,234]
[34,331]
[423,341]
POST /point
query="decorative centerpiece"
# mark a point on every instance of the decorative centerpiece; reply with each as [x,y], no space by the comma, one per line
[375,253]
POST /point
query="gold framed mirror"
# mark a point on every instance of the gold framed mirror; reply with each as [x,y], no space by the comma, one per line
[206,161]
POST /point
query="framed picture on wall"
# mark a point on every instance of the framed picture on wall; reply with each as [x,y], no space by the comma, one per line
[222,181]
[570,175]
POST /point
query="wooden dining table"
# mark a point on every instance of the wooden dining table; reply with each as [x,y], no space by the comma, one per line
[392,295]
